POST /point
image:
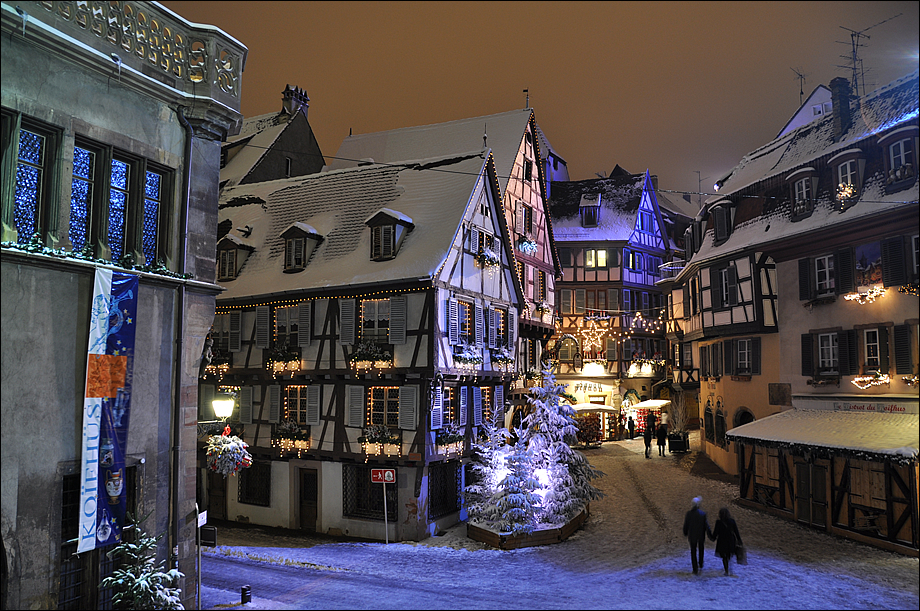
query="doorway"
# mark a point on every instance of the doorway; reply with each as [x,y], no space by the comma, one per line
[811,494]
[308,497]
[217,496]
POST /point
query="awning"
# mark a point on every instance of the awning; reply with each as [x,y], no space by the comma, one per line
[651,404]
[594,407]
[867,436]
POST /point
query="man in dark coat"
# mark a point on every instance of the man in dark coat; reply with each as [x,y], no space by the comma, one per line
[696,529]
[632,428]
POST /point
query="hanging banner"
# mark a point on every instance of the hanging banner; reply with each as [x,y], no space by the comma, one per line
[106,408]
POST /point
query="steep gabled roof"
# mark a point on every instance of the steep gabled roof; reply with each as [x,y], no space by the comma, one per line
[257,136]
[620,196]
[434,194]
[504,131]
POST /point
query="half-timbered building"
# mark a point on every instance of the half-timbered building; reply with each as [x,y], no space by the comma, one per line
[520,161]
[368,322]
[613,235]
[811,248]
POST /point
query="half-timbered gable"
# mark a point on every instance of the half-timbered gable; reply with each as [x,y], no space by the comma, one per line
[825,218]
[360,355]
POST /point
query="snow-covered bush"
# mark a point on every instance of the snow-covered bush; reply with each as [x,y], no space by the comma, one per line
[140,583]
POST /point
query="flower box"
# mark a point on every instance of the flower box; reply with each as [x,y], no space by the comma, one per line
[679,442]
[227,454]
[545,536]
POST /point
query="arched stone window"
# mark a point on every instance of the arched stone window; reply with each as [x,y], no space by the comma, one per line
[743,416]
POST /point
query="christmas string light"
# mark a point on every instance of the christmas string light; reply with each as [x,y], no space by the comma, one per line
[875,379]
[868,297]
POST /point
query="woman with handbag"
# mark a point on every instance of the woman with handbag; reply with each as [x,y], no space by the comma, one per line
[727,537]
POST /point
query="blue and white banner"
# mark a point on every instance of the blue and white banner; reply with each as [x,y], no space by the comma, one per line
[106,408]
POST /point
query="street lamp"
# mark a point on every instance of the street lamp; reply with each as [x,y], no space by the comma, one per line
[223,404]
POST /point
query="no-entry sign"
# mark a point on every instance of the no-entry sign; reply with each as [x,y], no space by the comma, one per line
[383,476]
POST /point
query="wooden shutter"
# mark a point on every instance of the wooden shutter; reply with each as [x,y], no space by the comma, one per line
[755,356]
[715,287]
[437,409]
[398,319]
[313,407]
[704,361]
[499,408]
[844,271]
[894,264]
[354,414]
[453,322]
[246,405]
[304,323]
[732,297]
[808,348]
[492,318]
[263,327]
[627,349]
[477,406]
[479,324]
[274,403]
[512,326]
[627,301]
[474,240]
[463,407]
[579,301]
[519,216]
[346,322]
[611,354]
[806,284]
[565,301]
[716,355]
[729,356]
[408,407]
[884,363]
[902,358]
[847,359]
[235,338]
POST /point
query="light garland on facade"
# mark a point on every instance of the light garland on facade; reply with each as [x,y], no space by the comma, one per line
[868,297]
[845,193]
[593,336]
[909,289]
[875,379]
[911,380]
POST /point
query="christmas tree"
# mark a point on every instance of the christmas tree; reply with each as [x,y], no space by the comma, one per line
[487,463]
[515,502]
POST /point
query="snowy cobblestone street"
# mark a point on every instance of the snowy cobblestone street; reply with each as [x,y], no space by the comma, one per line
[630,553]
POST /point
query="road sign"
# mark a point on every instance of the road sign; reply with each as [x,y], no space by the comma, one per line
[202,518]
[383,476]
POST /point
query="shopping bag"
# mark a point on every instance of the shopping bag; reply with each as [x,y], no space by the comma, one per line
[741,553]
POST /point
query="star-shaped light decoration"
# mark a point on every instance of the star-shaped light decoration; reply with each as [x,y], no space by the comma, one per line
[593,336]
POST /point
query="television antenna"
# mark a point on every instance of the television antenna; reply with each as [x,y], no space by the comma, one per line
[855,63]
[801,79]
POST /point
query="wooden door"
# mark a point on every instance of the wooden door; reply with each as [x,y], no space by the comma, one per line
[217,496]
[811,494]
[308,497]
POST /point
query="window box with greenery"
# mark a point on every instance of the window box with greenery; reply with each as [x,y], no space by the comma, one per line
[450,437]
[467,355]
[377,439]
[486,258]
[502,356]
[283,359]
[369,355]
[289,437]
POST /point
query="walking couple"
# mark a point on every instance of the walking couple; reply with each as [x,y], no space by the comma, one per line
[725,534]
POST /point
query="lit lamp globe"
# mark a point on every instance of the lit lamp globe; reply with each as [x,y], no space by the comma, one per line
[223,405]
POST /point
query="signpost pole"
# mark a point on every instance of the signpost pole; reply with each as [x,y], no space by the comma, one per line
[386,528]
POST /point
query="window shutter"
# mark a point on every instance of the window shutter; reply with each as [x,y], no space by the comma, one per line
[499,407]
[729,356]
[512,324]
[579,301]
[246,405]
[847,360]
[808,360]
[704,361]
[627,301]
[274,403]
[387,248]
[437,410]
[732,286]
[565,301]
[453,322]
[263,327]
[716,287]
[463,407]
[479,324]
[304,323]
[477,406]
[355,408]
[806,286]
[492,317]
[398,319]
[236,343]
[408,407]
[720,223]
[298,253]
[884,363]
[894,268]
[716,354]
[902,357]
[627,349]
[222,264]
[346,322]
[611,349]
[519,216]
[313,408]
[844,272]
[474,240]
[755,356]
[613,299]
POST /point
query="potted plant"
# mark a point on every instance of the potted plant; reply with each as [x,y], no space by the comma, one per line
[378,433]
[449,434]
[468,355]
[227,454]
[678,437]
[370,354]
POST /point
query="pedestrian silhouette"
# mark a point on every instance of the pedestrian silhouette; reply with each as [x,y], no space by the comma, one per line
[696,529]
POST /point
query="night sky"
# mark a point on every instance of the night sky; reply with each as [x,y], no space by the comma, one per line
[673,87]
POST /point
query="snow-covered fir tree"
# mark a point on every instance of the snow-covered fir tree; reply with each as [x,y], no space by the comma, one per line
[516,503]
[488,462]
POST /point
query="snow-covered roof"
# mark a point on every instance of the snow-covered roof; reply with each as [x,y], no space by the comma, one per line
[651,404]
[504,131]
[876,434]
[620,197]
[434,194]
[877,112]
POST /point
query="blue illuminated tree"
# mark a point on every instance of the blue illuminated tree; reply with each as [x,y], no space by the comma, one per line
[487,463]
[516,504]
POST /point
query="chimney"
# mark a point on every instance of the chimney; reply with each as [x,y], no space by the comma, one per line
[840,98]
[293,100]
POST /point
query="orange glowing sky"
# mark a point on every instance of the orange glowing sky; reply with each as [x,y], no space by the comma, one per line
[673,87]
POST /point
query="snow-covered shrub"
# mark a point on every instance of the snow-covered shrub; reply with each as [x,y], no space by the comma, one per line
[140,583]
[488,465]
[516,504]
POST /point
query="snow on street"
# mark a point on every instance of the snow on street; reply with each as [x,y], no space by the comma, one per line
[631,553]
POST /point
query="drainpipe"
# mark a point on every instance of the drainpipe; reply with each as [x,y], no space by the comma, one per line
[180,331]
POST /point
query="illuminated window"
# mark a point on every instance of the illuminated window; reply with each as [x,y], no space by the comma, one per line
[486,403]
[539,285]
[32,195]
[467,330]
[375,320]
[501,327]
[297,404]
[83,188]
[384,406]
[449,410]
[596,258]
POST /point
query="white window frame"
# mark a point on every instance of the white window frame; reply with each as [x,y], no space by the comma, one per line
[872,345]
[371,329]
[900,153]
[466,324]
[743,352]
[848,173]
[827,352]
[287,317]
[802,203]
[824,274]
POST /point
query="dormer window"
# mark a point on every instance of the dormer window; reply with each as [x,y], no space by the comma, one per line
[300,240]
[722,223]
[803,184]
[227,264]
[231,254]
[848,167]
[590,210]
[388,229]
